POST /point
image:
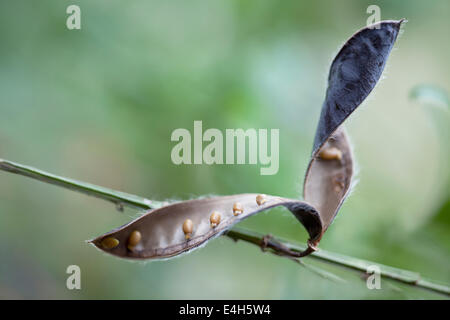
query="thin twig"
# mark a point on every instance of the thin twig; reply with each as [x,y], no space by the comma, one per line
[277,246]
[401,275]
[117,197]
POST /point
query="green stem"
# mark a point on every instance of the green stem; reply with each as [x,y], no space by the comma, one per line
[272,243]
[405,276]
[117,197]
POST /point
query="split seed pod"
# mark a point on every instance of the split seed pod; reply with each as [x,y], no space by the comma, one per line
[353,74]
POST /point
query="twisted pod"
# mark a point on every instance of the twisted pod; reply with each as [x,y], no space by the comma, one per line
[177,228]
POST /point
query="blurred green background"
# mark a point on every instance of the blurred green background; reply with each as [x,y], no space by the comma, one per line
[99,104]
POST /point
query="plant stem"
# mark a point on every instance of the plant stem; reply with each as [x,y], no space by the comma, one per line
[117,197]
[405,276]
[274,245]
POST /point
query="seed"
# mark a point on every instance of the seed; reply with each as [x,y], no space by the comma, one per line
[237,208]
[134,238]
[214,219]
[331,154]
[110,242]
[188,227]
[260,199]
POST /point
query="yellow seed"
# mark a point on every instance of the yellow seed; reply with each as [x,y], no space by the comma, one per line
[110,242]
[188,227]
[237,208]
[339,184]
[260,199]
[214,219]
[331,154]
[134,238]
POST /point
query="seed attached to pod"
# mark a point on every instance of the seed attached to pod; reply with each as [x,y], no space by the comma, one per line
[237,208]
[134,238]
[331,154]
[214,219]
[110,242]
[260,199]
[188,227]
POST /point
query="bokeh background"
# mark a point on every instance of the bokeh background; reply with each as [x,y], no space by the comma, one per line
[100,104]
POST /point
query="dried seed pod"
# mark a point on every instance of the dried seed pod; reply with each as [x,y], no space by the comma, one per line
[188,228]
[330,154]
[237,208]
[353,74]
[109,243]
[166,227]
[134,238]
[260,199]
[214,219]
